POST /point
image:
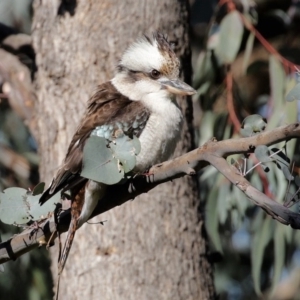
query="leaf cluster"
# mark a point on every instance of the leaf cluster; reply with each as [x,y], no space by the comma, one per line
[243,93]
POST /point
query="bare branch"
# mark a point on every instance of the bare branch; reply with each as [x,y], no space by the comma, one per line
[213,152]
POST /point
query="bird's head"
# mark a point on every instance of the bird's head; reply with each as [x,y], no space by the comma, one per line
[149,66]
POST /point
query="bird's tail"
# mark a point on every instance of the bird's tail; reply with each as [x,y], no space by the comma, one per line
[76,208]
[67,246]
[66,250]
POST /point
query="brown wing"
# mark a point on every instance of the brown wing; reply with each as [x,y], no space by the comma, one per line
[106,106]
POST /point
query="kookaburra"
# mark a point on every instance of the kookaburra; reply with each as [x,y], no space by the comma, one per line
[140,100]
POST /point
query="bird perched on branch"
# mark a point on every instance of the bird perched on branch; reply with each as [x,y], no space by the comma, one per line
[140,103]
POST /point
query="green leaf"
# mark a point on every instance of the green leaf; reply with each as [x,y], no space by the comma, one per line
[125,150]
[231,34]
[206,127]
[248,51]
[235,218]
[277,83]
[282,162]
[107,162]
[260,241]
[212,220]
[203,89]
[253,124]
[242,203]
[99,163]
[256,181]
[262,153]
[38,189]
[204,69]
[281,184]
[19,206]
[14,208]
[223,201]
[293,94]
[37,211]
[285,169]
[277,80]
[279,249]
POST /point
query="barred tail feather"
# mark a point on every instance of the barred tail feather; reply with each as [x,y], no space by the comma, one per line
[67,247]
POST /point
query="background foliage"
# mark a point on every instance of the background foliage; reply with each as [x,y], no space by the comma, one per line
[246,65]
[244,57]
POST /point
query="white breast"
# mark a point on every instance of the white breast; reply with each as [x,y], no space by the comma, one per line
[161,134]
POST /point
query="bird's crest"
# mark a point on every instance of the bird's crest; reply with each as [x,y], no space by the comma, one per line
[152,53]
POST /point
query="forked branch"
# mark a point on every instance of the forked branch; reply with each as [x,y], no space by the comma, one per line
[212,153]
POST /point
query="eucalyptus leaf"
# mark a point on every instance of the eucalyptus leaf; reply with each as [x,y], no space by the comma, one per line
[277,83]
[14,208]
[19,206]
[253,124]
[241,201]
[262,153]
[99,163]
[235,218]
[223,202]
[125,150]
[282,162]
[108,161]
[246,132]
[260,241]
[280,156]
[37,211]
[204,69]
[248,51]
[285,169]
[288,233]
[277,80]
[38,189]
[211,219]
[231,34]
[235,163]
[293,94]
[279,249]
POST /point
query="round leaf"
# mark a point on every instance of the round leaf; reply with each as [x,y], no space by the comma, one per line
[252,125]
[125,150]
[262,153]
[37,211]
[99,163]
[14,208]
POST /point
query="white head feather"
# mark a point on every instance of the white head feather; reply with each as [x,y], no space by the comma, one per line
[133,79]
[143,56]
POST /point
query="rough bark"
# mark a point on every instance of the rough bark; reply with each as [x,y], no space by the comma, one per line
[152,247]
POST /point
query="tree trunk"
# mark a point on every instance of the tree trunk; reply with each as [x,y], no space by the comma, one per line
[152,247]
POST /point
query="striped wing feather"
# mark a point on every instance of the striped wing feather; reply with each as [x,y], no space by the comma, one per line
[106,106]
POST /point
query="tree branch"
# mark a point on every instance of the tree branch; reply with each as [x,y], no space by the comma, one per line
[213,152]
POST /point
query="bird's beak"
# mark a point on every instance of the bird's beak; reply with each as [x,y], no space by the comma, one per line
[177,87]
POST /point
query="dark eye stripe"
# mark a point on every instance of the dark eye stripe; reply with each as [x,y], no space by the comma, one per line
[134,72]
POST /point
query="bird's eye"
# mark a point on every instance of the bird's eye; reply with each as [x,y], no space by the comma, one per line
[155,74]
